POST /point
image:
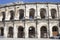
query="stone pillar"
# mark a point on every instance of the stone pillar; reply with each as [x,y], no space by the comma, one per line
[15,32]
[5,31]
[27,14]
[1,16]
[46,15]
[35,14]
[7,17]
[57,14]
[51,31]
[38,14]
[59,30]
[16,17]
[26,32]
[50,14]
[38,32]
[48,31]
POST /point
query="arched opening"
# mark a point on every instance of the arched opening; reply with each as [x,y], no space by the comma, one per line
[10,32]
[3,13]
[31,32]
[43,32]
[55,31]
[42,13]
[1,31]
[31,13]
[21,14]
[11,15]
[20,32]
[53,13]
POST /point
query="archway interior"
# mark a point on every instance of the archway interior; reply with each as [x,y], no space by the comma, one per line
[43,32]
[3,13]
[55,30]
[11,15]
[21,14]
[32,13]
[31,32]
[20,32]
[10,33]
[42,13]
[53,13]
[1,31]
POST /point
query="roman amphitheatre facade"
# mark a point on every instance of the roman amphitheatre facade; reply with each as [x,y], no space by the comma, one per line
[29,20]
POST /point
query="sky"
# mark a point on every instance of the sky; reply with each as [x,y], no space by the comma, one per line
[10,1]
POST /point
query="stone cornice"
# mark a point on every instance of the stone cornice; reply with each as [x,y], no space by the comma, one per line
[14,4]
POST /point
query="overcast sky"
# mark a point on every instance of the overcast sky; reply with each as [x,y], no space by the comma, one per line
[9,1]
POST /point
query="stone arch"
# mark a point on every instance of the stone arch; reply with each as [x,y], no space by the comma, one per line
[12,15]
[1,31]
[31,32]
[39,25]
[43,13]
[55,30]
[20,32]
[53,13]
[43,30]
[31,13]
[10,32]
[21,13]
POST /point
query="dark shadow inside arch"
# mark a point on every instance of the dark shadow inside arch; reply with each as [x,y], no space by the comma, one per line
[31,32]
[42,13]
[1,31]
[31,13]
[10,32]
[11,15]
[3,13]
[55,31]
[21,14]
[43,32]
[53,13]
[20,32]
